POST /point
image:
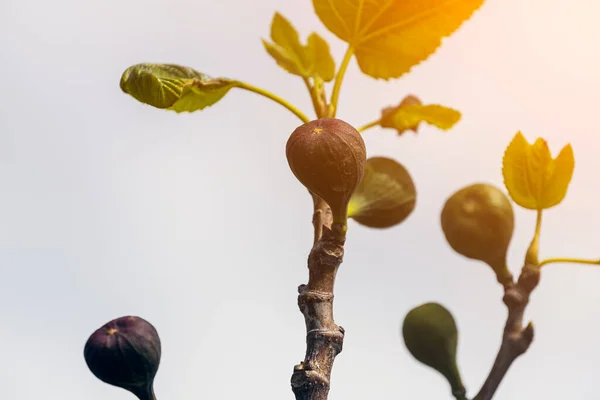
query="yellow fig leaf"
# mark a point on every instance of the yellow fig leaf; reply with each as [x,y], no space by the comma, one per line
[411,112]
[533,178]
[311,60]
[319,58]
[389,37]
[173,87]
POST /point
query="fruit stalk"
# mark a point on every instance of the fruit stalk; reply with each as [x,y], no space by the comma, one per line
[516,339]
[311,378]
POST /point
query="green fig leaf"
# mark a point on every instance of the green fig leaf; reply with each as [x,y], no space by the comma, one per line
[386,195]
[410,113]
[478,223]
[173,87]
[431,336]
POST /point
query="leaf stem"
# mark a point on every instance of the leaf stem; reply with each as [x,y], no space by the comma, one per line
[532,256]
[313,98]
[335,94]
[570,260]
[271,96]
[369,125]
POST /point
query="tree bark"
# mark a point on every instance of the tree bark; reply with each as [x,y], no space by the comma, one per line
[516,339]
[324,339]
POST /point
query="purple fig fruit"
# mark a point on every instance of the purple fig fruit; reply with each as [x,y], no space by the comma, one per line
[125,352]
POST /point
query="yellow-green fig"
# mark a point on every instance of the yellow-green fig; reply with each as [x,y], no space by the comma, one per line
[328,157]
[386,195]
[478,222]
[431,336]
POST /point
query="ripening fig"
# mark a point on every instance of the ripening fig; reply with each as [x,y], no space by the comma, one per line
[478,222]
[328,156]
[386,195]
[431,336]
[125,352]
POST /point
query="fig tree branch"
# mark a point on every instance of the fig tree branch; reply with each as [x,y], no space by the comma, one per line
[516,339]
[271,96]
[324,339]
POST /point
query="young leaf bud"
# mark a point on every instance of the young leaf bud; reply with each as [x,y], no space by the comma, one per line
[431,336]
[328,157]
[125,352]
[478,222]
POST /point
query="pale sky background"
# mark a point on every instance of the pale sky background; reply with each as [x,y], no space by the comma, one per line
[195,222]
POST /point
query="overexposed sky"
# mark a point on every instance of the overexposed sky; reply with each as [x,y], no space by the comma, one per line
[194,222]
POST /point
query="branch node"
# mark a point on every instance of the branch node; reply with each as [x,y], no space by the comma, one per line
[530,277]
[513,297]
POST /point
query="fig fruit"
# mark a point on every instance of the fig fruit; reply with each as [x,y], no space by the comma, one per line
[478,222]
[328,157]
[125,352]
[431,336]
[386,195]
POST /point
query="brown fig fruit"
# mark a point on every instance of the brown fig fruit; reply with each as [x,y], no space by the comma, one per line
[125,352]
[328,157]
[478,222]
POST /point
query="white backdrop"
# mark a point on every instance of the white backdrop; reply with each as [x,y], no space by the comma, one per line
[109,207]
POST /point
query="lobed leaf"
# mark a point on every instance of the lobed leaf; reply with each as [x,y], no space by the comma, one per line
[532,177]
[409,114]
[310,61]
[173,87]
[389,37]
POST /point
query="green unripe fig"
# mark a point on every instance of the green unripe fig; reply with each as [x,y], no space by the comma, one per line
[328,157]
[386,195]
[431,336]
[478,222]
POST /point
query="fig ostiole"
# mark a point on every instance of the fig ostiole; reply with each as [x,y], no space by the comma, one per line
[125,352]
[328,157]
[431,336]
[478,222]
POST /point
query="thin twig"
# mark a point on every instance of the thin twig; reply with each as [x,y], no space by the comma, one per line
[516,338]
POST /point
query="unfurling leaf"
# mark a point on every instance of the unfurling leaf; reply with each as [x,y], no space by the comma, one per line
[173,87]
[411,112]
[386,195]
[389,37]
[431,336]
[310,61]
[478,222]
[534,179]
